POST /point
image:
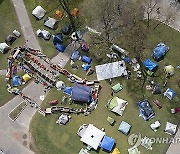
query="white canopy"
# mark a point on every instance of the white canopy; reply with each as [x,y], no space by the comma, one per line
[110,70]
[92,136]
[39,12]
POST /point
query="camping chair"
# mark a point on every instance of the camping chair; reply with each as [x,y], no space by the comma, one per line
[88,147]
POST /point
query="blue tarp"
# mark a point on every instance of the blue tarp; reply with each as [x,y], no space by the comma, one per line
[16,81]
[75,55]
[86,59]
[60,48]
[160,51]
[150,65]
[58,39]
[145,110]
[86,67]
[81,93]
[107,143]
[68,90]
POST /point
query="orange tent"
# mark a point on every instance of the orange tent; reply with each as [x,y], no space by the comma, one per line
[75,12]
[59,14]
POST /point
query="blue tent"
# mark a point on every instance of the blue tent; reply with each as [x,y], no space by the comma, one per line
[150,65]
[68,90]
[169,93]
[57,39]
[124,127]
[107,143]
[75,55]
[86,59]
[16,81]
[86,67]
[145,110]
[81,93]
[160,51]
[66,30]
[60,48]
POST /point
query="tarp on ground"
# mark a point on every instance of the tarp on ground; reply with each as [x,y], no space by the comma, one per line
[145,109]
[107,143]
[57,39]
[117,105]
[150,65]
[68,90]
[81,93]
[51,23]
[86,59]
[110,70]
[60,47]
[169,93]
[92,136]
[39,12]
[75,55]
[16,81]
[160,51]
[4,47]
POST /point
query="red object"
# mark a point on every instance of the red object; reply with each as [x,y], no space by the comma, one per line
[177,110]
[158,104]
[53,102]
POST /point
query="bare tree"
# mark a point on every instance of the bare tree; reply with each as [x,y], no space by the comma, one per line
[111,18]
[66,7]
[156,11]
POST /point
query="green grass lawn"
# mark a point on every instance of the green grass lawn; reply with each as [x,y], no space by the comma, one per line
[13,115]
[9,22]
[48,137]
[5,95]
[52,138]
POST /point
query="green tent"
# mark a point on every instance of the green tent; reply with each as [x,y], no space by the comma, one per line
[116,88]
[169,70]
[117,105]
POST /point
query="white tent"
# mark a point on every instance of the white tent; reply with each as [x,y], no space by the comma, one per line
[51,23]
[92,136]
[170,128]
[60,85]
[3,47]
[39,12]
[111,70]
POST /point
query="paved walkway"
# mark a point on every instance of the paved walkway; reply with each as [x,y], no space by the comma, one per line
[14,135]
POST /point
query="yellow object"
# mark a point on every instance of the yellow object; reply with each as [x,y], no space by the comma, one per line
[116,151]
[26,77]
